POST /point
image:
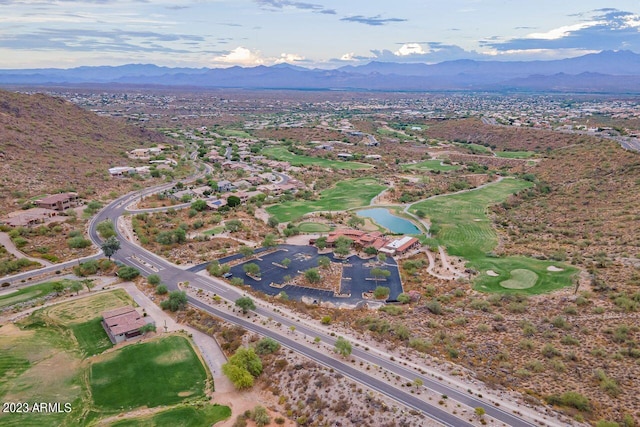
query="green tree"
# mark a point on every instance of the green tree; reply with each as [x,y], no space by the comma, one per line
[89,284]
[153,279]
[273,222]
[162,289]
[106,229]
[286,262]
[128,273]
[246,251]
[321,242]
[343,347]
[378,273]
[260,416]
[418,383]
[58,287]
[324,262]
[149,327]
[248,359]
[480,411]
[269,241]
[214,268]
[236,281]
[404,298]
[240,377]
[355,221]
[78,242]
[370,250]
[381,292]
[177,301]
[312,275]
[252,269]
[199,205]
[76,287]
[382,257]
[233,225]
[267,346]
[110,246]
[233,201]
[246,304]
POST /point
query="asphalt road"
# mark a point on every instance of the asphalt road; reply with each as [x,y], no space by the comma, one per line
[149,263]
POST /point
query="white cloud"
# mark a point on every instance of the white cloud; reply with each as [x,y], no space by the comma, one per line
[240,56]
[350,56]
[289,58]
[410,49]
[564,31]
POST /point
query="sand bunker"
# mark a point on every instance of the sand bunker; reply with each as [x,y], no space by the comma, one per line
[554,268]
[492,273]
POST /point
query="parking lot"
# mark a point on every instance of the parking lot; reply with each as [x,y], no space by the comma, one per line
[356,277]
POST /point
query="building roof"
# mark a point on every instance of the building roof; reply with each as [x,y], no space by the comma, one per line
[55,198]
[122,320]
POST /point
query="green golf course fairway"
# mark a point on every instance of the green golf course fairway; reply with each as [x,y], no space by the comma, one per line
[430,165]
[460,222]
[347,194]
[284,155]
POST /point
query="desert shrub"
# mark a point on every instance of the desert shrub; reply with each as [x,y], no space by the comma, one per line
[128,273]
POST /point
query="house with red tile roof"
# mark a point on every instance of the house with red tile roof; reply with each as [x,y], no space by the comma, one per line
[124,323]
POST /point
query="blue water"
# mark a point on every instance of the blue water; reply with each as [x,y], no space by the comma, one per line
[394,223]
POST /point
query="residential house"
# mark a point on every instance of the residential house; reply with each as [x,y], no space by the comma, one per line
[241,184]
[121,171]
[124,323]
[224,186]
[59,202]
[29,217]
[214,205]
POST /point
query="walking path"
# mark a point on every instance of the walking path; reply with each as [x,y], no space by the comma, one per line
[6,241]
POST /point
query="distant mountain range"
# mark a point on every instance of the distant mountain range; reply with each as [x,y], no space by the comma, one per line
[606,72]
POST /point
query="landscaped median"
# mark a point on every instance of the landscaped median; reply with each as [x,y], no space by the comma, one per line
[461,224]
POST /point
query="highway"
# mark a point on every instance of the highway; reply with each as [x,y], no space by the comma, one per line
[149,263]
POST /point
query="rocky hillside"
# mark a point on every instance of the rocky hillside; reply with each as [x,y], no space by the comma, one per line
[47,144]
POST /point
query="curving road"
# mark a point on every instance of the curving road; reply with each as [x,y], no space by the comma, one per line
[149,263]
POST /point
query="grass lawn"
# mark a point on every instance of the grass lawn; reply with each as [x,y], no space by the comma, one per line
[476,148]
[461,224]
[515,154]
[85,309]
[516,275]
[214,230]
[233,132]
[284,155]
[160,372]
[30,293]
[431,165]
[313,227]
[346,194]
[40,361]
[181,416]
[91,337]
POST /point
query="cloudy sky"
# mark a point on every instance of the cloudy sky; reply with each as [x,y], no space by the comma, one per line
[309,33]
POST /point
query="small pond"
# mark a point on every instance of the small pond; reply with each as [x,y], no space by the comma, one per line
[393,223]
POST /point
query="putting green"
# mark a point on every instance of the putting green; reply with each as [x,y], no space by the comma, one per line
[520,279]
